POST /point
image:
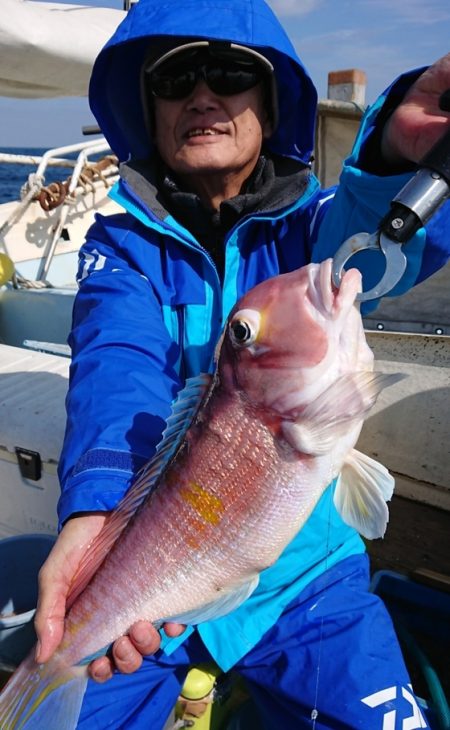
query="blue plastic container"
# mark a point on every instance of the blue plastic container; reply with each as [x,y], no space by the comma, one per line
[420,612]
[21,558]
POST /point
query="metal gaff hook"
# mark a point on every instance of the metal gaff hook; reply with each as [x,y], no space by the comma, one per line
[412,207]
[395,262]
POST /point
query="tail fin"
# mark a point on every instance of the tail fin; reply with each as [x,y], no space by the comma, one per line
[43,697]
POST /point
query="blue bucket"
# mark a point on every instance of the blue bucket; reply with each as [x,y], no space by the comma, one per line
[21,558]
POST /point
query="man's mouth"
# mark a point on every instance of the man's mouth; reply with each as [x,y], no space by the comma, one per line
[202,132]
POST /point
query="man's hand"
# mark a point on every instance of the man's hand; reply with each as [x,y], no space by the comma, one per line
[418,122]
[54,583]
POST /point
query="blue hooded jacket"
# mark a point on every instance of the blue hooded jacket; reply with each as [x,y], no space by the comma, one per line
[115,86]
[150,306]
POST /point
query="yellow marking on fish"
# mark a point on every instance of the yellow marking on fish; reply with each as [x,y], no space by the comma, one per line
[207,505]
[59,681]
[262,322]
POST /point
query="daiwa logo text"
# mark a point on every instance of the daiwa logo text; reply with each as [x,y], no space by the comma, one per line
[390,697]
[90,262]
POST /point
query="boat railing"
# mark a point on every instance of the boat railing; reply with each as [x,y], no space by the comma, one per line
[85,173]
[72,186]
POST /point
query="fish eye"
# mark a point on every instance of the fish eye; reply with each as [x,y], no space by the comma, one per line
[241,332]
[244,328]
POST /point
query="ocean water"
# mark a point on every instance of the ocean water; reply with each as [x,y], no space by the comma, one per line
[13,176]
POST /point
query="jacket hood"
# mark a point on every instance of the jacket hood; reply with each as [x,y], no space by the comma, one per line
[155,26]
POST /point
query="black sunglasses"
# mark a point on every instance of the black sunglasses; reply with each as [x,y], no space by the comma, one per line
[177,78]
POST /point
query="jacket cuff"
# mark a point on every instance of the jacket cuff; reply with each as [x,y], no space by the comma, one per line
[91,492]
[98,481]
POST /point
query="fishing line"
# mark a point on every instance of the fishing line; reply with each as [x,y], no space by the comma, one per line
[315,711]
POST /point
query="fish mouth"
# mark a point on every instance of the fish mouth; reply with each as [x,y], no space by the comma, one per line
[321,290]
[325,297]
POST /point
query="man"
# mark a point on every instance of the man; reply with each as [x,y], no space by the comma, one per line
[213,115]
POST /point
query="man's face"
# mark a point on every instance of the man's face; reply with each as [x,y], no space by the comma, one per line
[206,135]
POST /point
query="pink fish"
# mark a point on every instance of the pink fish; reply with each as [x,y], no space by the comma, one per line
[245,457]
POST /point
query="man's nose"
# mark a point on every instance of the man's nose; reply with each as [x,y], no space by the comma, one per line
[202,98]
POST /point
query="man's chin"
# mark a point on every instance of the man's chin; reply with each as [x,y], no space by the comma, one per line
[204,163]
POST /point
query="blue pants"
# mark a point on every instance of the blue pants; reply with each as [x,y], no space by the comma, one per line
[332,655]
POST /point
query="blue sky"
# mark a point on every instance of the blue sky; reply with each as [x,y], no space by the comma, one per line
[381,37]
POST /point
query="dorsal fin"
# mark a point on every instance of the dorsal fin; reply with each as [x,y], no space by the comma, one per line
[184,409]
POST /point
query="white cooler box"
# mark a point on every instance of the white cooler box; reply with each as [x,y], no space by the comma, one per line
[33,387]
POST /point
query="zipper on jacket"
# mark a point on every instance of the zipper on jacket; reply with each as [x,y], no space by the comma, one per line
[163,224]
[226,293]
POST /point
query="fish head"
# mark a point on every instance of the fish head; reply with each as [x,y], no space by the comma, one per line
[291,336]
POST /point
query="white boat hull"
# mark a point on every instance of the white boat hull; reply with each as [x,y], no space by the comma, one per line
[33,386]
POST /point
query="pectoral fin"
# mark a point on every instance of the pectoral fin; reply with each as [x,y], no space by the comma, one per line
[363,487]
[335,411]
